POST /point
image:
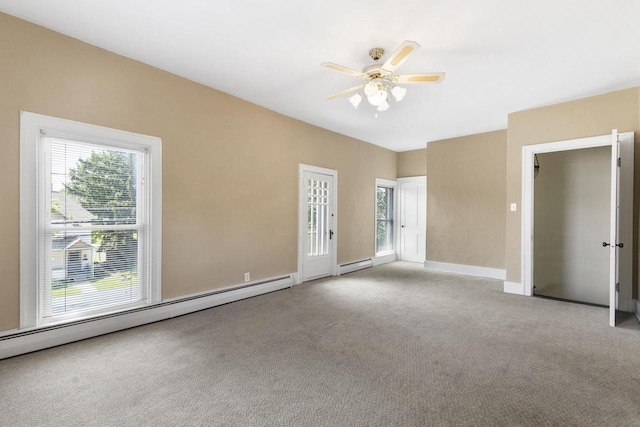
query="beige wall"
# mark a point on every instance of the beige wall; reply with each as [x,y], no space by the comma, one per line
[586,117]
[466,199]
[229,167]
[412,163]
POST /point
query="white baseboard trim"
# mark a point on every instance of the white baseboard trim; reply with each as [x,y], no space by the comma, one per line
[350,267]
[295,278]
[26,341]
[637,308]
[469,270]
[513,288]
[384,259]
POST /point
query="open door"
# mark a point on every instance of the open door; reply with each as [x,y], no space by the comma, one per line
[619,242]
[620,238]
[613,230]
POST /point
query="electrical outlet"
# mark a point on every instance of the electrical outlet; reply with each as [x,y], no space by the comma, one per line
[247,277]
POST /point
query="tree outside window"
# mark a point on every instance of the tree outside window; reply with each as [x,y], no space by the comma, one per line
[384,219]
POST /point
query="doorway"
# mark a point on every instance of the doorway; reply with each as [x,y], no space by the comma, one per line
[619,243]
[317,223]
[412,212]
[571,220]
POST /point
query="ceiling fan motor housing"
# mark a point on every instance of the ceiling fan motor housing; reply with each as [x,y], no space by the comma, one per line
[376,53]
[373,71]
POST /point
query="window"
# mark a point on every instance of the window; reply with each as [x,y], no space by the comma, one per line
[385,213]
[317,217]
[90,243]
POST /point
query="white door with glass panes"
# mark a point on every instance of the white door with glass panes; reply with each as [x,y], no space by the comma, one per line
[318,218]
[413,218]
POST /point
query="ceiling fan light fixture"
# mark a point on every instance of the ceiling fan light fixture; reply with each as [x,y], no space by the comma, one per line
[383,106]
[371,88]
[380,80]
[398,93]
[355,100]
[378,97]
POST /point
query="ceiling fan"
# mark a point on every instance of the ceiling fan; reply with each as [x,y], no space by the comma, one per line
[380,80]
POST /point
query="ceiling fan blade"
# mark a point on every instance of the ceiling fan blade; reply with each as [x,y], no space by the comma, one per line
[342,69]
[419,78]
[400,55]
[346,91]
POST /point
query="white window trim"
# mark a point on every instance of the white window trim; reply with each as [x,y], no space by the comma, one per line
[32,126]
[380,182]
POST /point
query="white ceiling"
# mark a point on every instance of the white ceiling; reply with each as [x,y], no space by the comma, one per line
[500,56]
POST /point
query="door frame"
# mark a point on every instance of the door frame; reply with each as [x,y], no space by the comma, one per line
[422,179]
[528,153]
[302,217]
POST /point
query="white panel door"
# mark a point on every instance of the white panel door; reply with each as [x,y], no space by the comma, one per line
[613,234]
[318,256]
[621,237]
[413,218]
[624,300]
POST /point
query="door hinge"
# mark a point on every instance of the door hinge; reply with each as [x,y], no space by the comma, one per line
[619,162]
[618,287]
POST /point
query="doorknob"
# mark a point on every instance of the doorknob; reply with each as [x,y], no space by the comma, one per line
[620,245]
[402,226]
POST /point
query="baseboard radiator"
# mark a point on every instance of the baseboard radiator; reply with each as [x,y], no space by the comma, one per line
[26,341]
[350,267]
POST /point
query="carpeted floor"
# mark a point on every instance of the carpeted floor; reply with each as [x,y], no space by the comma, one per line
[395,345]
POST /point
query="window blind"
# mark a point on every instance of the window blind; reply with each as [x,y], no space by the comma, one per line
[93,238]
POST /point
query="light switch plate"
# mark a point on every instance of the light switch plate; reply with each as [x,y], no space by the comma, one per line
[514,207]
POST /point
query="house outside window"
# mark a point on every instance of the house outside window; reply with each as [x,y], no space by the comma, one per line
[385,216]
[91,243]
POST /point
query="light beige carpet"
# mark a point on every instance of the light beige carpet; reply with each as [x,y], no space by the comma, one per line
[395,345]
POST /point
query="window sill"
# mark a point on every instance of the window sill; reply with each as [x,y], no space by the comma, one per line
[384,257]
